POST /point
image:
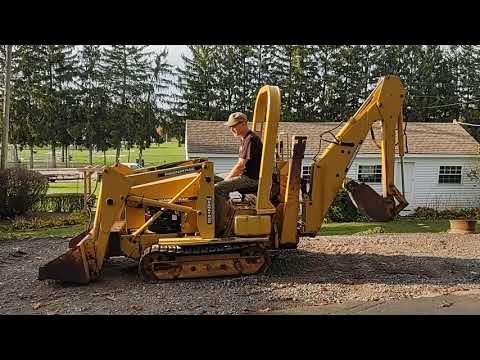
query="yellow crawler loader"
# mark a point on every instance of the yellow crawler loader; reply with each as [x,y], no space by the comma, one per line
[168,218]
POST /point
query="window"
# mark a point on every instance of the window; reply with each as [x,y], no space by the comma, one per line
[450,175]
[370,173]
[306,173]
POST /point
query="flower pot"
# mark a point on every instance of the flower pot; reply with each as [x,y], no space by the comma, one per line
[463,226]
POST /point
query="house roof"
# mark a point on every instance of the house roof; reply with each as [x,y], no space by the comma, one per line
[422,138]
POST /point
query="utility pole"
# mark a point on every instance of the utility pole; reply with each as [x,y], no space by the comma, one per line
[6,108]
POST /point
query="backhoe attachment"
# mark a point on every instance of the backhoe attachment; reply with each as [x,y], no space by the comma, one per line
[329,170]
[372,204]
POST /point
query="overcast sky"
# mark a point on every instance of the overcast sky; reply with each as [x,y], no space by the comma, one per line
[174,52]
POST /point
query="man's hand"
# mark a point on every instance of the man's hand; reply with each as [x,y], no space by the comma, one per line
[237,169]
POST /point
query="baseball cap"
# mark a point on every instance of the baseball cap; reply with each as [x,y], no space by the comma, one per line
[236,118]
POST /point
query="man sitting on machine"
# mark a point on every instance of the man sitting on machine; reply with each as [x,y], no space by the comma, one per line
[244,174]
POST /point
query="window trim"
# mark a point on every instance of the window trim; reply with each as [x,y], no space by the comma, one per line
[450,184]
[303,171]
[369,182]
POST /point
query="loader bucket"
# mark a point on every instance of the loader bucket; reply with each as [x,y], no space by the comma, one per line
[76,239]
[69,267]
[369,202]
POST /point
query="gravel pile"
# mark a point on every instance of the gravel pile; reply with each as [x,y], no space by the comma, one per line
[324,270]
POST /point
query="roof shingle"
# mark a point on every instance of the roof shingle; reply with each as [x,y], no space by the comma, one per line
[423,138]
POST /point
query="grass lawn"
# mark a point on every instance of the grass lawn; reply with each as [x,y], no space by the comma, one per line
[43,224]
[63,231]
[398,226]
[401,226]
[156,154]
[69,187]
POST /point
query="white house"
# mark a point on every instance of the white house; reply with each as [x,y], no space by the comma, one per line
[440,155]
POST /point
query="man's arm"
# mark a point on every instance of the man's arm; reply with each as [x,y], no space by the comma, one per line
[237,169]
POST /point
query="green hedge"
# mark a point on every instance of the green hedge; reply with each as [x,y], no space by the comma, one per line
[447,214]
[68,202]
[36,223]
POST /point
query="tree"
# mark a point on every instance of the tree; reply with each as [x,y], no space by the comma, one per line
[91,129]
[197,84]
[126,69]
[324,81]
[164,95]
[465,61]
[27,115]
[56,96]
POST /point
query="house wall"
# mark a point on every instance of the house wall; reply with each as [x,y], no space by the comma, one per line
[421,181]
[428,192]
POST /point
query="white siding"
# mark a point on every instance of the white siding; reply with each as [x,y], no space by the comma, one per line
[421,179]
[440,196]
[221,163]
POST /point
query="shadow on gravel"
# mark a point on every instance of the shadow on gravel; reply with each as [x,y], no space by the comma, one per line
[311,267]
[300,266]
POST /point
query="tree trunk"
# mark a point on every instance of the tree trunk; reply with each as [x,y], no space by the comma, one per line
[129,153]
[66,156]
[104,157]
[31,156]
[15,154]
[54,157]
[90,155]
[63,153]
[117,155]
[140,154]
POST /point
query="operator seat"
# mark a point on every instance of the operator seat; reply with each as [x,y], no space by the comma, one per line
[248,191]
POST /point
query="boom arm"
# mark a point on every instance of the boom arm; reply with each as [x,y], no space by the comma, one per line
[328,173]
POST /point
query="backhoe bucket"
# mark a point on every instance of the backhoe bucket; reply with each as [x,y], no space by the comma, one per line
[69,267]
[369,202]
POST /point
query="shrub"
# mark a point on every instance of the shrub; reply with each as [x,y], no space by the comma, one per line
[42,222]
[343,210]
[447,214]
[452,214]
[374,230]
[68,202]
[20,190]
[426,213]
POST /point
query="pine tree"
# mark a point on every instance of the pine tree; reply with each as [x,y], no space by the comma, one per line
[126,69]
[152,110]
[227,78]
[197,83]
[465,61]
[261,63]
[324,81]
[92,129]
[25,109]
[350,83]
[165,97]
[59,71]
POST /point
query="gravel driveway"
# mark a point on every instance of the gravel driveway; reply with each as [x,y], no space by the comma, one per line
[324,270]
